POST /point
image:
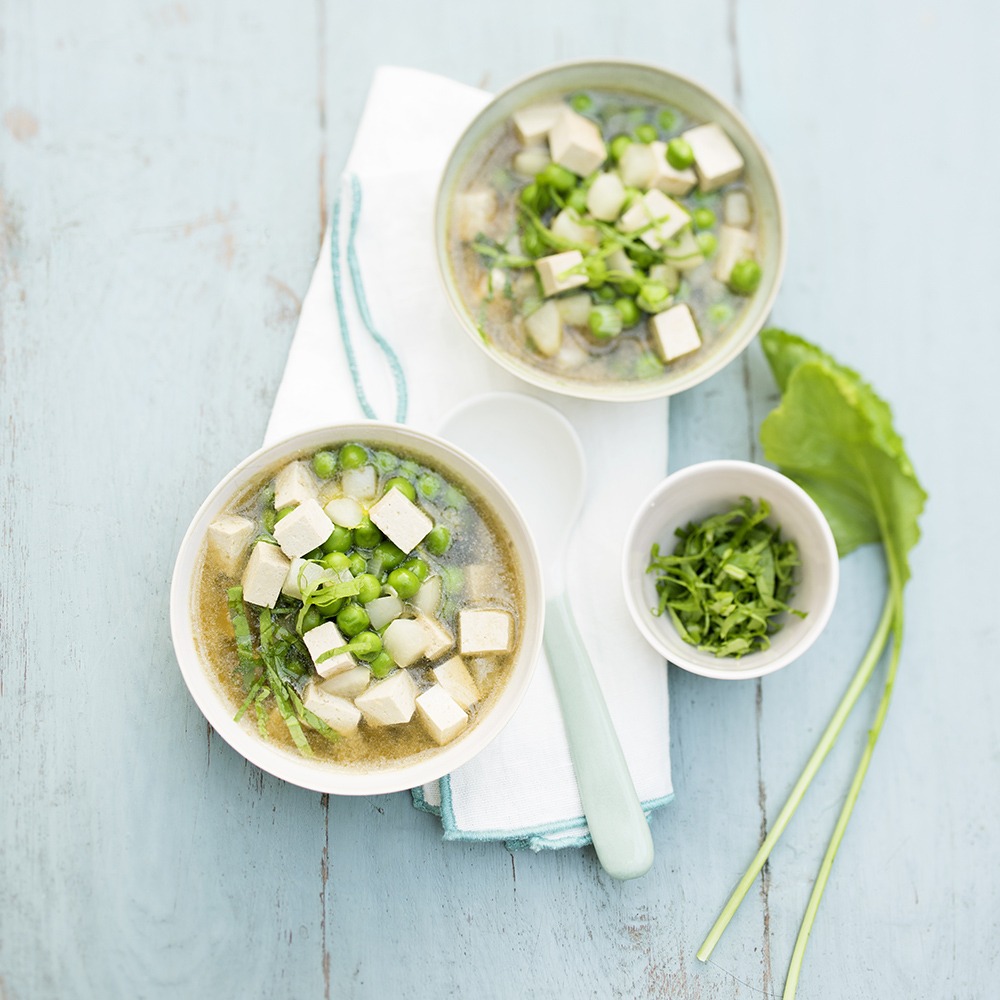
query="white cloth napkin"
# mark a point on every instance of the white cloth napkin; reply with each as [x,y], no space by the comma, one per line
[521,789]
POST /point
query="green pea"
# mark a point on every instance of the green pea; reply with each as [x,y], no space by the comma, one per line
[558,178]
[352,619]
[628,311]
[314,556]
[453,579]
[577,200]
[707,243]
[720,313]
[454,497]
[409,468]
[653,297]
[370,588]
[606,293]
[533,244]
[618,146]
[605,322]
[531,197]
[418,568]
[337,561]
[382,665]
[438,540]
[366,645]
[581,102]
[311,619]
[667,120]
[269,519]
[404,583]
[629,287]
[341,540]
[703,218]
[357,564]
[324,464]
[745,277]
[597,272]
[366,535]
[646,133]
[387,556]
[333,608]
[429,485]
[284,512]
[632,195]
[648,365]
[352,456]
[403,485]
[385,461]
[680,155]
[642,257]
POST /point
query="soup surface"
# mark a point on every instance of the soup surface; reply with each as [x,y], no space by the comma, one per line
[331,639]
[604,237]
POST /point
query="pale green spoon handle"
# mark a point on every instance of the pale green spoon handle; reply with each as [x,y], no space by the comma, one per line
[617,823]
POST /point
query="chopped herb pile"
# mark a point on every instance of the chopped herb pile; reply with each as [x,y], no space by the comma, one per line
[728,581]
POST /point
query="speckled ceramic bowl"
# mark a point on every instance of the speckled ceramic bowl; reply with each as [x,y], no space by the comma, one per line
[643,81]
[326,775]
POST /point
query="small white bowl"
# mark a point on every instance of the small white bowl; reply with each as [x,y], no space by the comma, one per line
[325,775]
[697,492]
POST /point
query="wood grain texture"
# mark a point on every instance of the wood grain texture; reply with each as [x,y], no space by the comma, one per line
[164,170]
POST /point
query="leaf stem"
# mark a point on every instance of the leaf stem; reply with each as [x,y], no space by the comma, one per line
[823,747]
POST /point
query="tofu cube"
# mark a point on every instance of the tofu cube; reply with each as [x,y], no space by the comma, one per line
[264,575]
[439,639]
[567,226]
[406,641]
[554,272]
[399,518]
[544,329]
[484,631]
[359,483]
[302,573]
[305,529]
[734,245]
[473,212]
[637,165]
[654,207]
[675,333]
[575,143]
[454,677]
[736,209]
[228,535]
[390,702]
[294,485]
[532,124]
[442,716]
[345,511]
[606,198]
[336,711]
[321,640]
[716,160]
[669,179]
[348,684]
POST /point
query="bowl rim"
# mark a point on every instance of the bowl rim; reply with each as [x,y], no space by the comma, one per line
[600,390]
[818,617]
[314,773]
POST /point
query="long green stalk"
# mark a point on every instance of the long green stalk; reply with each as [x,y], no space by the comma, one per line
[823,747]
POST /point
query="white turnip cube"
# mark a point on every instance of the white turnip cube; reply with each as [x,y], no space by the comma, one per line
[406,641]
[264,575]
[544,328]
[228,535]
[574,309]
[532,160]
[454,677]
[428,598]
[302,574]
[400,520]
[293,485]
[336,711]
[390,702]
[442,716]
[484,631]
[473,212]
[554,272]
[674,332]
[575,143]
[348,684]
[383,610]
[568,226]
[736,209]
[716,160]
[654,207]
[319,641]
[684,253]
[345,511]
[303,530]
[637,165]
[734,245]
[359,483]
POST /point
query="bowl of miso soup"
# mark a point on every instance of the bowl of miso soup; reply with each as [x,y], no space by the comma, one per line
[610,230]
[357,609]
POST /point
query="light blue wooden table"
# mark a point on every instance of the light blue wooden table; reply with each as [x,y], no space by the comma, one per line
[164,178]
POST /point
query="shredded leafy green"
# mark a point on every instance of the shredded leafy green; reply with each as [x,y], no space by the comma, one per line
[241,629]
[834,435]
[727,581]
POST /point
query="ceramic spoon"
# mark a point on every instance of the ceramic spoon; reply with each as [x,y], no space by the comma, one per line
[535,453]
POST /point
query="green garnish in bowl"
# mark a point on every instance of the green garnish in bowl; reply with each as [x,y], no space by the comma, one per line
[728,581]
